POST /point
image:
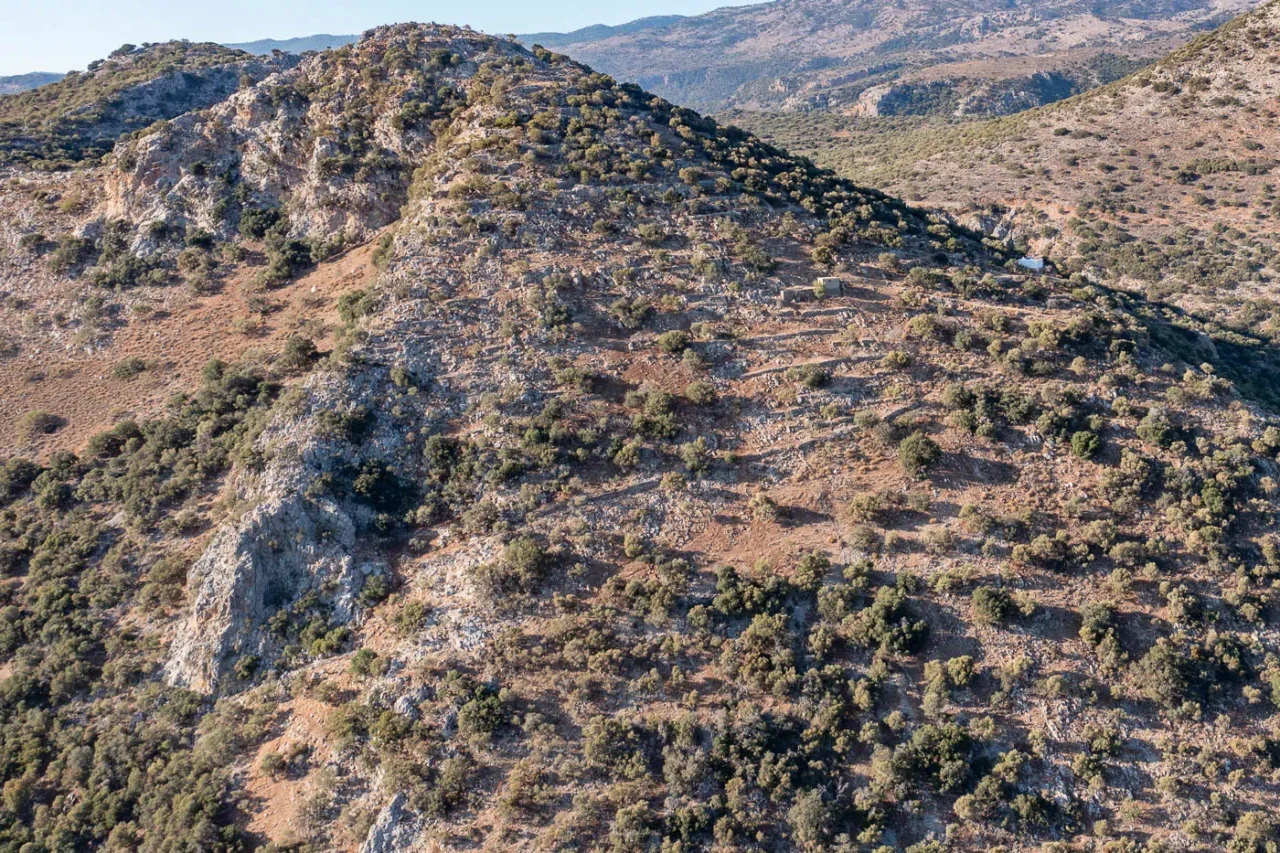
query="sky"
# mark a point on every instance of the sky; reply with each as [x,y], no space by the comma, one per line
[61,35]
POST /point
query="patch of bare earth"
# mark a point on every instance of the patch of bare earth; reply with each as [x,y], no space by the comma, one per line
[81,390]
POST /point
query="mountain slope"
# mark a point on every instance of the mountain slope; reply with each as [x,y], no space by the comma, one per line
[1163,181]
[877,57]
[547,504]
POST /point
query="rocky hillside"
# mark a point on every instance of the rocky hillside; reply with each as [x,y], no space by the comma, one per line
[1163,181]
[595,476]
[81,115]
[873,57]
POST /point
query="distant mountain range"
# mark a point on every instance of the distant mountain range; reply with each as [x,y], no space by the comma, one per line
[23,82]
[597,32]
[890,57]
[876,57]
[302,44]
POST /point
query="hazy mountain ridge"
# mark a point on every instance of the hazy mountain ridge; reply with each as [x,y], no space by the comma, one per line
[801,54]
[301,44]
[599,31]
[22,82]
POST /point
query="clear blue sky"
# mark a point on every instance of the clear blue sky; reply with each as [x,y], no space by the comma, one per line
[60,35]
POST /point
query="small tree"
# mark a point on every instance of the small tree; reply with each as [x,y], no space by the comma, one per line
[992,604]
[298,353]
[917,453]
[1085,444]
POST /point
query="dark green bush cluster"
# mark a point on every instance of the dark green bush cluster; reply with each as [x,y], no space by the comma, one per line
[983,411]
[918,453]
[887,624]
[520,569]
[147,467]
[657,413]
[94,751]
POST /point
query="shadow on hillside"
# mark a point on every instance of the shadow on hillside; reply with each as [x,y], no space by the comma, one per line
[1248,360]
[960,467]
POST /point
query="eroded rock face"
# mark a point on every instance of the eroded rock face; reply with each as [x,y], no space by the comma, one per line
[314,140]
[294,539]
[283,547]
[394,829]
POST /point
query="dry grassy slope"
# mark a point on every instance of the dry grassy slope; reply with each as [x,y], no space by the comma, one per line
[565,243]
[66,342]
[1169,173]
[1212,101]
[802,54]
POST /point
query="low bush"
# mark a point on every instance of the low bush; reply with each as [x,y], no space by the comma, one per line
[917,453]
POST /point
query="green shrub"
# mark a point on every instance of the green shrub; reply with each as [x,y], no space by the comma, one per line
[992,604]
[897,360]
[128,368]
[246,666]
[611,744]
[886,625]
[695,455]
[1156,428]
[1097,621]
[1162,674]
[1085,444]
[937,755]
[809,375]
[255,222]
[355,304]
[810,571]
[810,819]
[299,353]
[366,663]
[34,424]
[521,568]
[700,393]
[917,453]
[673,342]
[762,655]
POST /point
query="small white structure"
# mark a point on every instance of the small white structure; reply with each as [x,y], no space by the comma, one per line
[1034,264]
[826,286]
